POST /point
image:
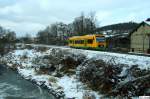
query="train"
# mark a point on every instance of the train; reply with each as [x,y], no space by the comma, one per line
[95,41]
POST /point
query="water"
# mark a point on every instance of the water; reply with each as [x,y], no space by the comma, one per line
[12,86]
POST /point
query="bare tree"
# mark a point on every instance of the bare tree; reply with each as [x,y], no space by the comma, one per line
[84,25]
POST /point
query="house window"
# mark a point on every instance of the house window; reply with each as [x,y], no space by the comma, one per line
[132,49]
[148,51]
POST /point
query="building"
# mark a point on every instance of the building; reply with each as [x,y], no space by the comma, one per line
[119,42]
[140,38]
[117,35]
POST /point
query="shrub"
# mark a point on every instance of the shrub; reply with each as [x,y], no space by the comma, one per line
[99,75]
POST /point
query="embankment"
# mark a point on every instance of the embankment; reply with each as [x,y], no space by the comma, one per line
[106,73]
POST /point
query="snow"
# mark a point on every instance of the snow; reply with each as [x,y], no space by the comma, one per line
[70,87]
[142,61]
[26,73]
[74,88]
[30,53]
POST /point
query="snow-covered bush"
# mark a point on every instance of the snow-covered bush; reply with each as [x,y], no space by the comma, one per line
[58,61]
[99,75]
[115,79]
[136,83]
[41,49]
[70,62]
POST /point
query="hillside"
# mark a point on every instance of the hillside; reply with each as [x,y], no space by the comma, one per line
[120,27]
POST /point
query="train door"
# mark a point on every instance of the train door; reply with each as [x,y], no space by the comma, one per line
[85,42]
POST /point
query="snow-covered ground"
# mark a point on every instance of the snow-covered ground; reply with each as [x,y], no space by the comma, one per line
[74,88]
[142,61]
[67,84]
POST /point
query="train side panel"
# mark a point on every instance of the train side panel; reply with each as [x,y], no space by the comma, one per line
[87,41]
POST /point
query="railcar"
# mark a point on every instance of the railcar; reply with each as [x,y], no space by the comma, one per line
[88,42]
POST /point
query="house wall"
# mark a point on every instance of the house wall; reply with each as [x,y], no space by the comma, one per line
[140,39]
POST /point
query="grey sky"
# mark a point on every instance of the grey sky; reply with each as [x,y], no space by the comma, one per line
[30,16]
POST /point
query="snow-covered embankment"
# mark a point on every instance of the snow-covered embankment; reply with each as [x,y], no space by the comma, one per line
[59,70]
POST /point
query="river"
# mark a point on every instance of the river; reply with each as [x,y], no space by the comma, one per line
[13,86]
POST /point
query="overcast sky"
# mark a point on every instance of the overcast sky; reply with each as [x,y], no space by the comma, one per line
[30,16]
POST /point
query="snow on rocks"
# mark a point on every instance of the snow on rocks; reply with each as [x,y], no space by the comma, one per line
[26,73]
[42,80]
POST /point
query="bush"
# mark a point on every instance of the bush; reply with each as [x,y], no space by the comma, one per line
[42,49]
[71,62]
[112,80]
[99,75]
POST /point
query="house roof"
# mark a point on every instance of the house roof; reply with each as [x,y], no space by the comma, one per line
[122,35]
[141,24]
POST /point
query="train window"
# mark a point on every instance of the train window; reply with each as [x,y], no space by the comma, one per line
[76,42]
[70,41]
[90,41]
[82,41]
[79,42]
[100,39]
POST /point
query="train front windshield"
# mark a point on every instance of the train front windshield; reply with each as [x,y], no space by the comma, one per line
[100,39]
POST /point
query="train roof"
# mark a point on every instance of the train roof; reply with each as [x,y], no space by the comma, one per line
[85,36]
